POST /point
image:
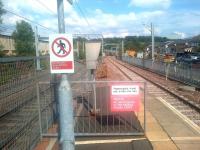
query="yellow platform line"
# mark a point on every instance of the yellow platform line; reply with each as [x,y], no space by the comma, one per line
[186,138]
[108,141]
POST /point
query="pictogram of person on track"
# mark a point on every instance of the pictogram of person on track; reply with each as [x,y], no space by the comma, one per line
[62,47]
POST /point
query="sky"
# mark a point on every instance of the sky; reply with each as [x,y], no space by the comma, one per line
[111,18]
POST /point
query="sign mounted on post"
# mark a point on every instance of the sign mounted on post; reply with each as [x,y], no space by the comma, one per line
[61,53]
[124,97]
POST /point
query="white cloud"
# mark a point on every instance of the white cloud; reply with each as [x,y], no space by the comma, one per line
[151,3]
[44,13]
[107,34]
[100,22]
[7,19]
[124,34]
[39,6]
[180,35]
[17,5]
[49,24]
[109,24]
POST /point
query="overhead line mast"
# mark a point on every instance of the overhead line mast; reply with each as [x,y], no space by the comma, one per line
[66,123]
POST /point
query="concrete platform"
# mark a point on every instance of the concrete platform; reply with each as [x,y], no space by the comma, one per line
[179,131]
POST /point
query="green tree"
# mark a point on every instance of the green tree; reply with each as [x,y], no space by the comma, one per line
[80,47]
[138,43]
[24,39]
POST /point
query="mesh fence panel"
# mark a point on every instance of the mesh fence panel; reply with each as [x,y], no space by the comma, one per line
[19,121]
[96,118]
[184,72]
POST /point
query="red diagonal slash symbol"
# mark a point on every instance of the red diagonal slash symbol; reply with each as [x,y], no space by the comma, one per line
[62,48]
[55,44]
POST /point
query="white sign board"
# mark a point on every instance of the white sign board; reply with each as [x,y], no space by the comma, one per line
[124,97]
[125,90]
[61,53]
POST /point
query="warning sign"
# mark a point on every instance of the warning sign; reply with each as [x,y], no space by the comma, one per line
[61,47]
[124,97]
[61,53]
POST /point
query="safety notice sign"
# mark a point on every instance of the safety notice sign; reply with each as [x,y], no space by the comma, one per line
[61,53]
[124,97]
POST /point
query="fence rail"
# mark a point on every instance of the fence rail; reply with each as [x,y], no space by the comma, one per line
[179,71]
[92,109]
[22,117]
[27,110]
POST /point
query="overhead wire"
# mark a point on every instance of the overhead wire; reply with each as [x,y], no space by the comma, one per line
[47,8]
[83,14]
[29,20]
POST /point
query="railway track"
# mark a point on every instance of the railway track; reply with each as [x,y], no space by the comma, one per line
[177,102]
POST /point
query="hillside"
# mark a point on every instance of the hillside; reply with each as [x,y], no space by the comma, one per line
[196,38]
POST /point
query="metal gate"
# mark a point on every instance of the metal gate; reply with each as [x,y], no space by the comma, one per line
[92,110]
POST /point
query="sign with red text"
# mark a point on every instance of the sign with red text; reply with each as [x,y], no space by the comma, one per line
[61,53]
[124,97]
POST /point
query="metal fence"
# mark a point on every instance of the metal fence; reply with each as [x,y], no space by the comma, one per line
[180,71]
[28,107]
[47,108]
[92,110]
[19,119]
